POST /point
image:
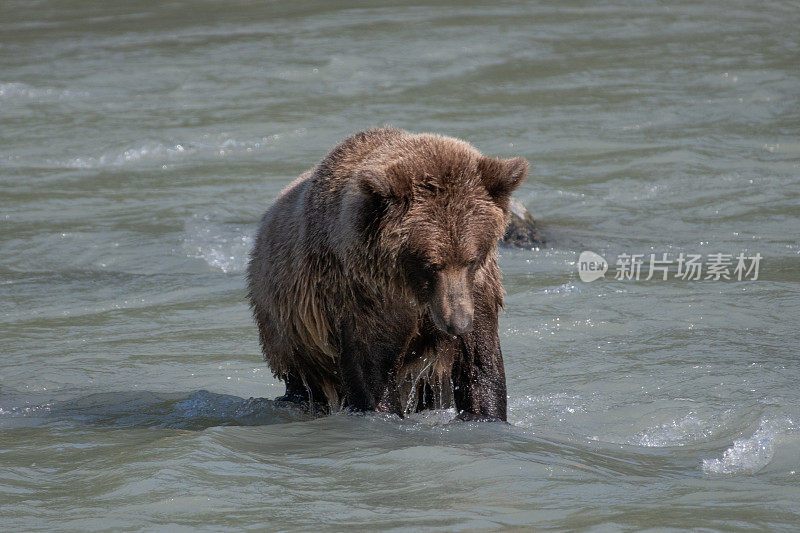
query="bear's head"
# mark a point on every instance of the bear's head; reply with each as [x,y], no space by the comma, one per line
[440,217]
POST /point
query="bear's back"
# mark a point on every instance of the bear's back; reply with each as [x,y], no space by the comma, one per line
[351,153]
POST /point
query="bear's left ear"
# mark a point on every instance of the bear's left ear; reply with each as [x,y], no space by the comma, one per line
[368,197]
[502,176]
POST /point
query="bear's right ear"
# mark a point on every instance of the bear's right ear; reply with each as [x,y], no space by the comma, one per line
[390,185]
[502,176]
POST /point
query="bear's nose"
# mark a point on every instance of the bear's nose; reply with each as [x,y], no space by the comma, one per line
[460,324]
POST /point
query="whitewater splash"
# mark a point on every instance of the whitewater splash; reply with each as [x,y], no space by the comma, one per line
[222,246]
[684,430]
[751,454]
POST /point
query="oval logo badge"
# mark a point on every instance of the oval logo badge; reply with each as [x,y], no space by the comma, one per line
[591,266]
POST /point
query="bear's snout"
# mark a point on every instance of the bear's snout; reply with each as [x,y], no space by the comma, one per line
[460,323]
[453,307]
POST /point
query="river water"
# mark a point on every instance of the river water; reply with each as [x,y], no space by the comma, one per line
[141,141]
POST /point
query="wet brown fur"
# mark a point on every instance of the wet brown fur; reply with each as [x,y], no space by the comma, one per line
[344,274]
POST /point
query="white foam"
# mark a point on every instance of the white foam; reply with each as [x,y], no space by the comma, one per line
[531,410]
[678,432]
[22,90]
[162,152]
[565,288]
[222,246]
[145,151]
[750,454]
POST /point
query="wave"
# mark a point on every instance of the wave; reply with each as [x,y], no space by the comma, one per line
[162,152]
[753,453]
[683,430]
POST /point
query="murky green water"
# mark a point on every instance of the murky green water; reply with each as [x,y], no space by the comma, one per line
[140,142]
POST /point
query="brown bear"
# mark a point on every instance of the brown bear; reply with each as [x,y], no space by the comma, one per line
[374,278]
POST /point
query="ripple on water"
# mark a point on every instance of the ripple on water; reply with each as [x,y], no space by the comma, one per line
[25,91]
[197,410]
[161,152]
[201,147]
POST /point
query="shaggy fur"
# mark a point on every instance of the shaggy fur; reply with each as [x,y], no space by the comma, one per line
[374,281]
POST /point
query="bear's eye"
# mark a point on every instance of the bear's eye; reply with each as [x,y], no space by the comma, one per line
[418,267]
[435,267]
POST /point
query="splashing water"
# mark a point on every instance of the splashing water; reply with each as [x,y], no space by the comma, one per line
[750,454]
[223,246]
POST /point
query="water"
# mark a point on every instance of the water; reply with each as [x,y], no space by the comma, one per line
[140,143]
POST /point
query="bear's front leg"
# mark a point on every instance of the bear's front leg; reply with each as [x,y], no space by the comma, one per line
[479,378]
[368,360]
